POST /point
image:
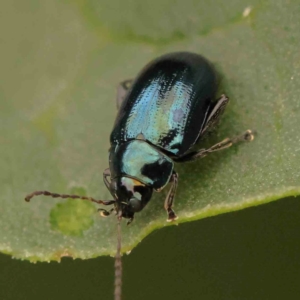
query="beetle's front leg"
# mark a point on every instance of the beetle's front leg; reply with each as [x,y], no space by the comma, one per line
[226,143]
[105,213]
[170,198]
[122,90]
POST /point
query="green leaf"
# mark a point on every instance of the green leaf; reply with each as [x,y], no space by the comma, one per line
[60,65]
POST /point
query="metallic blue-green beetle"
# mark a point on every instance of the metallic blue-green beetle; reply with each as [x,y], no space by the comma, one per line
[166,110]
[161,115]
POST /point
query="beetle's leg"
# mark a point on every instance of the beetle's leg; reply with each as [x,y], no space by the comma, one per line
[215,114]
[106,174]
[122,90]
[104,212]
[170,198]
[226,143]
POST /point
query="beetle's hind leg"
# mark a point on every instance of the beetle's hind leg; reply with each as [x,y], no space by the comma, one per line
[122,90]
[170,198]
[248,135]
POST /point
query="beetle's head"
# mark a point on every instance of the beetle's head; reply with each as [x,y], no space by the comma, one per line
[131,196]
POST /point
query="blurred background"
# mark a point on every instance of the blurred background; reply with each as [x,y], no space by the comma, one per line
[56,57]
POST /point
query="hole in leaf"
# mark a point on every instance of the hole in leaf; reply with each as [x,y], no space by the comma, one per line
[73,217]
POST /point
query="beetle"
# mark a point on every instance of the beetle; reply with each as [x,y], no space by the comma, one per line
[162,114]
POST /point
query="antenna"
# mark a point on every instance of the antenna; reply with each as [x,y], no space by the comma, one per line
[55,195]
[118,261]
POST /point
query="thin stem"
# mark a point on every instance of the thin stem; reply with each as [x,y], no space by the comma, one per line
[118,263]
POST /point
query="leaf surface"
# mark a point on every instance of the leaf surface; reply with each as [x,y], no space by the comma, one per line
[60,65]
